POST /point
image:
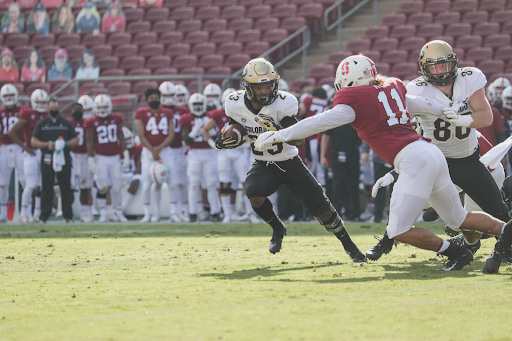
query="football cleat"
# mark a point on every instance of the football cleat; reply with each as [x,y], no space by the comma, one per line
[3,219]
[175,219]
[146,219]
[458,262]
[276,241]
[193,218]
[461,241]
[215,218]
[451,232]
[24,219]
[103,219]
[112,217]
[384,246]
[121,218]
[155,219]
[492,264]
[357,256]
[227,219]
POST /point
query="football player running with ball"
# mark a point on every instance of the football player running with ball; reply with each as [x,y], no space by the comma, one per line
[262,108]
[377,109]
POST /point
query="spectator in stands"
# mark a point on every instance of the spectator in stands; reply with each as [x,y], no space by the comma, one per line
[38,21]
[34,69]
[63,20]
[9,70]
[88,67]
[114,19]
[60,69]
[13,20]
[88,20]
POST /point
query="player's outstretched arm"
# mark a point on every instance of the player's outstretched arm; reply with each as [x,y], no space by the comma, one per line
[417,105]
[482,112]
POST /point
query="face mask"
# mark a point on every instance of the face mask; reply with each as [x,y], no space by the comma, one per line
[54,113]
[77,115]
[154,104]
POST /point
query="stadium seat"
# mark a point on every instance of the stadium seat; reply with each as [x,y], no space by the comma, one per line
[508,68]
[31,87]
[150,50]
[395,56]
[430,30]
[164,26]
[322,70]
[383,68]
[504,53]
[385,44]
[437,6]
[411,7]
[156,14]
[394,19]
[248,3]
[21,53]
[246,36]
[108,62]
[475,17]
[507,28]
[202,49]
[138,27]
[132,62]
[196,37]
[292,24]
[256,48]
[326,80]
[170,38]
[119,38]
[178,49]
[232,12]
[313,12]
[400,70]
[199,3]
[237,61]
[240,24]
[48,52]
[118,88]
[359,44]
[460,53]
[336,57]
[469,41]
[193,85]
[266,24]
[258,11]
[145,38]
[90,39]
[20,87]
[184,61]
[479,53]
[447,18]
[489,67]
[420,18]
[126,50]
[102,50]
[412,43]
[284,11]
[75,51]
[66,39]
[501,16]
[182,13]
[230,47]
[372,54]
[41,39]
[376,32]
[224,3]
[190,25]
[497,40]
[222,36]
[219,70]
[166,71]
[464,5]
[486,28]
[139,72]
[193,70]
[295,86]
[274,36]
[211,60]
[133,14]
[492,5]
[457,30]
[209,12]
[16,39]
[158,62]
[403,31]
[212,25]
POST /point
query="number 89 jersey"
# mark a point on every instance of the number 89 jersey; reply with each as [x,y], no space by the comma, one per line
[156,126]
[454,142]
[268,118]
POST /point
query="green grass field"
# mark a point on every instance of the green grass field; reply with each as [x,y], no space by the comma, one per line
[219,282]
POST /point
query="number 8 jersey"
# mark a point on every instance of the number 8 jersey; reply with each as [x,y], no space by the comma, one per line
[105,133]
[454,142]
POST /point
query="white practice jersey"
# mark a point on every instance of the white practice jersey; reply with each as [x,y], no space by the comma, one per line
[268,118]
[454,142]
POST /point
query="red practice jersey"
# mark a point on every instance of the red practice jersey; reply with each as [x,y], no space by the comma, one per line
[314,105]
[179,110]
[156,125]
[188,120]
[80,133]
[135,153]
[7,119]
[105,133]
[382,119]
[220,118]
[32,117]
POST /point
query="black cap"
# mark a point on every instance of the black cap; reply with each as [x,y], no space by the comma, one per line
[39,7]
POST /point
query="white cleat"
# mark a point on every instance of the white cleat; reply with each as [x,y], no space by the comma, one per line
[254,219]
[175,219]
[112,217]
[146,219]
[155,219]
[121,218]
[103,219]
[35,219]
[24,219]
[184,217]
[86,219]
[3,219]
[227,219]
[203,216]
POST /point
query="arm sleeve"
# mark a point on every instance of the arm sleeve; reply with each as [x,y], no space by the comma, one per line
[340,115]
[288,121]
[421,105]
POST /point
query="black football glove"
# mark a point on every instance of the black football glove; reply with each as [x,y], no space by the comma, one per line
[224,142]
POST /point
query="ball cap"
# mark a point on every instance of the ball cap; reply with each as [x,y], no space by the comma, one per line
[6,52]
[39,7]
[61,53]
[89,5]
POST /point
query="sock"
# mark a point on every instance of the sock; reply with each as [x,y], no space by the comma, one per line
[184,196]
[102,202]
[226,206]
[173,208]
[37,207]
[147,209]
[233,209]
[266,213]
[213,199]
[342,235]
[4,195]
[157,195]
[193,199]
[108,210]
[26,202]
[117,200]
[83,212]
[126,200]
[444,246]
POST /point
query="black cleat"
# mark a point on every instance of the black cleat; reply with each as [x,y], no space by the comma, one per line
[215,218]
[357,256]
[192,218]
[384,246]
[430,216]
[276,241]
[492,264]
[451,232]
[459,261]
[459,240]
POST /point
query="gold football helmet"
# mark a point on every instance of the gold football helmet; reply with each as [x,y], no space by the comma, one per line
[438,63]
[260,72]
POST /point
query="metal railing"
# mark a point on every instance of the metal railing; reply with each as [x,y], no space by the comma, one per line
[306,41]
[337,6]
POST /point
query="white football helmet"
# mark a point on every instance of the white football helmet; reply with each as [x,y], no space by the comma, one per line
[225,95]
[197,104]
[499,85]
[158,172]
[213,94]
[102,106]
[128,137]
[87,105]
[283,85]
[9,95]
[355,71]
[167,92]
[506,96]
[182,94]
[39,100]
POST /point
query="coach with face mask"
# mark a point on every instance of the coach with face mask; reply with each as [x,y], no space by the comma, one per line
[55,136]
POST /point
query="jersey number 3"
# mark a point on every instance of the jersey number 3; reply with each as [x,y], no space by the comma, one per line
[383,98]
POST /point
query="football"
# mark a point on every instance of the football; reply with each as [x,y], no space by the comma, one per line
[237,132]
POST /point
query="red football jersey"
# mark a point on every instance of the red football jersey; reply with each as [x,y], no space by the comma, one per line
[381,119]
[80,133]
[188,120]
[32,117]
[220,118]
[105,133]
[314,105]
[135,153]
[156,125]
[485,145]
[7,119]
[178,111]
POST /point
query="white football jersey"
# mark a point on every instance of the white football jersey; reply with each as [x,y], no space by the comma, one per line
[268,118]
[454,142]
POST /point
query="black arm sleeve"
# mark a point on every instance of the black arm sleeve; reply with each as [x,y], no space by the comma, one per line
[288,121]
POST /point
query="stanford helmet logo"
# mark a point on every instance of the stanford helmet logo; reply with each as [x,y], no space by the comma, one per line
[344,68]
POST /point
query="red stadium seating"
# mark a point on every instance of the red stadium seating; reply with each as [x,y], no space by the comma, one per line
[166,71]
[385,44]
[109,62]
[40,39]
[507,28]
[170,38]
[313,12]
[126,50]
[138,27]
[211,60]
[411,7]
[501,16]
[394,56]
[199,3]
[184,61]
[504,53]
[491,66]
[403,31]
[118,88]
[394,19]
[486,28]
[466,42]
[102,50]
[190,25]
[178,49]
[224,3]
[322,70]
[15,39]
[479,53]
[401,70]
[119,38]
[202,49]
[215,25]
[131,62]
[492,5]
[90,39]
[196,37]
[150,50]
[240,24]
[266,24]
[256,48]
[284,11]
[420,18]
[31,87]
[459,29]
[164,26]
[336,57]
[359,44]
[258,11]
[219,70]
[144,38]
[66,39]
[437,6]
[232,12]
[372,54]
[295,86]
[139,72]
[446,18]
[292,24]
[205,13]
[75,51]
[246,36]
[376,32]
[193,70]
[230,47]
[274,36]
[182,13]
[158,62]
[497,40]
[249,3]
[464,5]
[237,61]
[430,30]
[412,43]
[475,17]
[156,14]
[134,14]
[48,52]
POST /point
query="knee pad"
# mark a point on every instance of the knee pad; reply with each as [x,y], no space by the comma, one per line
[335,224]
[225,191]
[102,191]
[101,195]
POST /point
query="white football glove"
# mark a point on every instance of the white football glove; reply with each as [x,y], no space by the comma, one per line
[451,116]
[92,164]
[386,180]
[266,139]
[126,159]
[60,144]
